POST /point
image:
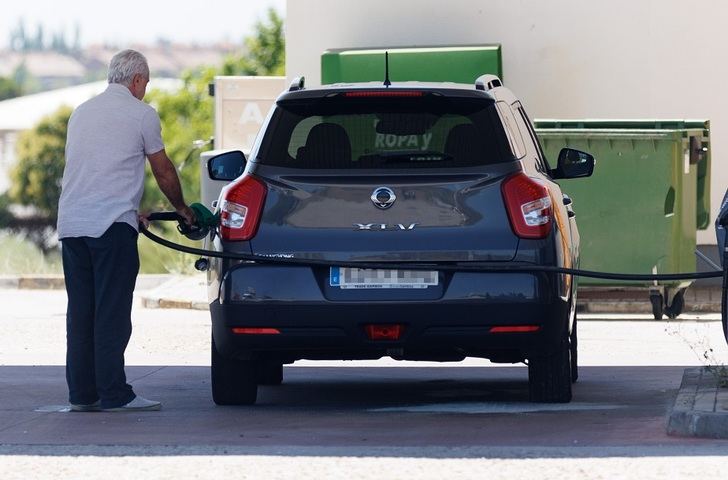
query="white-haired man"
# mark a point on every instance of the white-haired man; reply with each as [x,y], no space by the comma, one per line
[109,137]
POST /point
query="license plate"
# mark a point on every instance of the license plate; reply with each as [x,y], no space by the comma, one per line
[344,277]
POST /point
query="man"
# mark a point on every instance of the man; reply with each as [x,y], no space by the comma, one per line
[103,181]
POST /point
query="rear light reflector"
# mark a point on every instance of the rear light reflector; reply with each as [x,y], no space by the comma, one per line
[255,331]
[240,209]
[515,329]
[383,93]
[384,332]
[529,206]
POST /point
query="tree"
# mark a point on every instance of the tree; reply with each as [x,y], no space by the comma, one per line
[9,89]
[18,38]
[186,117]
[39,42]
[266,50]
[36,177]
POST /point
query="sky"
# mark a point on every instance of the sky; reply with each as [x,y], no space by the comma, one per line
[137,21]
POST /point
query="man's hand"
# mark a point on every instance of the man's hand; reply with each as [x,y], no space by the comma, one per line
[143,219]
[188,214]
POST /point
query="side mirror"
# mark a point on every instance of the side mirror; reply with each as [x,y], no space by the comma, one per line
[573,164]
[226,166]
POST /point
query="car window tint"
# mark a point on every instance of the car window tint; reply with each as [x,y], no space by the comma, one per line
[543,162]
[512,132]
[443,133]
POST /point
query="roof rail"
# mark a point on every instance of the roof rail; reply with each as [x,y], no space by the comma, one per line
[297,84]
[487,82]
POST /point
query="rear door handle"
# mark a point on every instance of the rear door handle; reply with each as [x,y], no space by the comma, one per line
[571,214]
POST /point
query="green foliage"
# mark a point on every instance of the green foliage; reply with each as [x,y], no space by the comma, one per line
[6,217]
[265,50]
[155,258]
[9,89]
[17,255]
[36,178]
[186,116]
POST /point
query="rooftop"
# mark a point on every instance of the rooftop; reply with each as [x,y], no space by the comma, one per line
[25,112]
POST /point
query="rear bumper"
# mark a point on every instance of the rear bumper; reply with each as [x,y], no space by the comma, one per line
[447,322]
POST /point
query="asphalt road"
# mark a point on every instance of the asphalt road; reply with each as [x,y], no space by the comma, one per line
[382,419]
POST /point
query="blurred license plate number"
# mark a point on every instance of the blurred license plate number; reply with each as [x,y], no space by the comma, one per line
[344,277]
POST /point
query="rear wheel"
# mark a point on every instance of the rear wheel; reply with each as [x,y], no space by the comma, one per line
[550,375]
[233,381]
[573,353]
[269,372]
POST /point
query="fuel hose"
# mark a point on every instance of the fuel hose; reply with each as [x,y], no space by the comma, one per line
[445,267]
[480,267]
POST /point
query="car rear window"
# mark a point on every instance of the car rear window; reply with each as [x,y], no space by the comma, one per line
[339,132]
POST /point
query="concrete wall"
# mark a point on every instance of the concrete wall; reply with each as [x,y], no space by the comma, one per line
[621,59]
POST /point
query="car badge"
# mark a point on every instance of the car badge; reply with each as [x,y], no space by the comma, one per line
[383,197]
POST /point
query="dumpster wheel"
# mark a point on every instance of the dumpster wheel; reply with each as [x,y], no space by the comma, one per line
[657,301]
[676,306]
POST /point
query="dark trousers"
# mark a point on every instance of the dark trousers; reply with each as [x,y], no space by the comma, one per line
[100,275]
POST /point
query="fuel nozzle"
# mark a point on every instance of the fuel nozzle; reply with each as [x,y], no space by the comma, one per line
[204,221]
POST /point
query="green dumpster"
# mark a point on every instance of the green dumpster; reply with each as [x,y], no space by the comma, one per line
[649,194]
[431,64]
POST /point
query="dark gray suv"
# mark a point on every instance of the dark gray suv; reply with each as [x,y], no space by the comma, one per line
[426,175]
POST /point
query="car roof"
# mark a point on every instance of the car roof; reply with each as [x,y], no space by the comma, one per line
[450,89]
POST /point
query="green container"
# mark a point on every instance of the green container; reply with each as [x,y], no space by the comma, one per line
[649,194]
[432,64]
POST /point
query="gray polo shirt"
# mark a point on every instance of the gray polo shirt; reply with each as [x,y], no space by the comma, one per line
[108,139]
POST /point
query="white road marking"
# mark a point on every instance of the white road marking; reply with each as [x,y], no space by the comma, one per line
[497,407]
[53,409]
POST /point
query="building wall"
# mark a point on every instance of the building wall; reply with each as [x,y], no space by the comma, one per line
[8,140]
[617,59]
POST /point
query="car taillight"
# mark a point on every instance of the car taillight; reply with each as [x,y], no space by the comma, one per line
[240,209]
[529,206]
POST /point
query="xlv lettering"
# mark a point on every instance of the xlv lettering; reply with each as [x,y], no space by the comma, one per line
[384,226]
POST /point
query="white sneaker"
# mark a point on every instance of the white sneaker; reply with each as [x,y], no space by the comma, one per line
[136,405]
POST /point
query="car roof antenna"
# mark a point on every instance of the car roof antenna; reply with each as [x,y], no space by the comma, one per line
[387,83]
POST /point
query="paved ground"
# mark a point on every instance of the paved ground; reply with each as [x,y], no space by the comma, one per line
[346,419]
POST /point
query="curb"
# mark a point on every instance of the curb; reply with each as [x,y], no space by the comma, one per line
[149,302]
[56,281]
[180,292]
[35,282]
[701,406]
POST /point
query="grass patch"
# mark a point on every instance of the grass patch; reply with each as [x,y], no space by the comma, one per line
[155,258]
[19,256]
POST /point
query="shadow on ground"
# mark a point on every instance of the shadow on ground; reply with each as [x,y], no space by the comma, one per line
[353,411]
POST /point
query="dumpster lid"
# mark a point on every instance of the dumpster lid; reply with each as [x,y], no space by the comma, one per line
[619,124]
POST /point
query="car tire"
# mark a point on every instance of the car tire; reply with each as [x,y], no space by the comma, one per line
[233,381]
[549,376]
[574,353]
[269,372]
